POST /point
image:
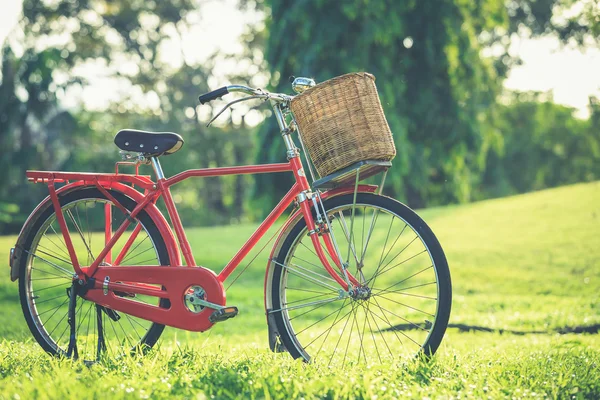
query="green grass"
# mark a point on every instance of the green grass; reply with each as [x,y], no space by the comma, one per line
[529,262]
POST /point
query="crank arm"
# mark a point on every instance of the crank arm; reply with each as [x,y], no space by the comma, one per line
[207,303]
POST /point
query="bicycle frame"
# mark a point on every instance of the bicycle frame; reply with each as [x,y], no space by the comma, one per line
[152,280]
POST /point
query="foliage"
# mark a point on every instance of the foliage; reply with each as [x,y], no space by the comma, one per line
[544,146]
[437,80]
[45,63]
[437,92]
[38,69]
[545,367]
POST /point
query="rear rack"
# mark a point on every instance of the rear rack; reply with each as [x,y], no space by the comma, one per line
[142,181]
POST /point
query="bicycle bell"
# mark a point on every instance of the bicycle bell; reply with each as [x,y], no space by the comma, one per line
[300,84]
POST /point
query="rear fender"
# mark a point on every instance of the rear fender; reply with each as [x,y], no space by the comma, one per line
[128,191]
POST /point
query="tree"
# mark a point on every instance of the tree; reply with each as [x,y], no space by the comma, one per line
[437,91]
[38,68]
[42,64]
[544,146]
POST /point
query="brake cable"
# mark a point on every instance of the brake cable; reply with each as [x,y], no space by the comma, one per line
[265,97]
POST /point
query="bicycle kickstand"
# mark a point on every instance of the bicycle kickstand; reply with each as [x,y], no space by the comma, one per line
[72,350]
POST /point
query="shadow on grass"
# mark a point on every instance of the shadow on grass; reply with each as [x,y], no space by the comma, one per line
[593,329]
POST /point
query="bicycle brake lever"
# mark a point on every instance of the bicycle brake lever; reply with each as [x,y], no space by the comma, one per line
[234,102]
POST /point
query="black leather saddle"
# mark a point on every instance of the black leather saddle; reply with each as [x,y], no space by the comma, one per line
[150,143]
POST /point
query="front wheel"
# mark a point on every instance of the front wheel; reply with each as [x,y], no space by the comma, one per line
[402,305]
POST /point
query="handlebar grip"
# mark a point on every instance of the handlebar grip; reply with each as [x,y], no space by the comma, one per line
[205,98]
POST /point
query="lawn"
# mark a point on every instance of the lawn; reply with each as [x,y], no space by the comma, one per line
[525,270]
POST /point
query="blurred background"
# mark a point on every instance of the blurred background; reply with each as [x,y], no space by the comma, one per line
[485,98]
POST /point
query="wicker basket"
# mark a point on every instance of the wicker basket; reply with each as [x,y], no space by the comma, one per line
[341,122]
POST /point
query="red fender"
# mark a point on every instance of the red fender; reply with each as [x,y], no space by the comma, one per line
[291,222]
[151,209]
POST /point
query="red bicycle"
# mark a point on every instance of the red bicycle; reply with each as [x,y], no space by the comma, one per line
[352,274]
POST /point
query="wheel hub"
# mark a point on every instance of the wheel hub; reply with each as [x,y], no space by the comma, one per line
[360,293]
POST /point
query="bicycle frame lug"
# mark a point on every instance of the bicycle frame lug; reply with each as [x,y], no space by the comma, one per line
[301,198]
[293,153]
[319,217]
[105,285]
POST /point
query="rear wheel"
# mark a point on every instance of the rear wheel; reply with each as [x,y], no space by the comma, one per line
[46,276]
[402,305]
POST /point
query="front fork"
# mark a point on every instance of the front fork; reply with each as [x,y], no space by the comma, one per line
[347,281]
[323,229]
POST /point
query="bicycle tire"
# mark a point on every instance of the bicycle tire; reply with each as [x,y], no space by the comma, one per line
[51,252]
[299,330]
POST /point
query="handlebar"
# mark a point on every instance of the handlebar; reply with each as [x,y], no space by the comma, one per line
[254,93]
[205,98]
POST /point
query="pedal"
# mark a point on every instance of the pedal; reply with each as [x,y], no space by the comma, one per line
[223,314]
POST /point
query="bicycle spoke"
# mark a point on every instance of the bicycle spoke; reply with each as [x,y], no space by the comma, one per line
[58,267]
[62,240]
[340,338]
[316,322]
[58,324]
[409,294]
[88,233]
[350,333]
[55,256]
[400,263]
[309,298]
[307,277]
[386,320]
[321,302]
[314,265]
[404,280]
[306,290]
[37,303]
[406,305]
[402,318]
[66,326]
[130,252]
[401,251]
[347,234]
[335,322]
[41,271]
[55,308]
[70,214]
[373,222]
[49,287]
[373,335]
[393,244]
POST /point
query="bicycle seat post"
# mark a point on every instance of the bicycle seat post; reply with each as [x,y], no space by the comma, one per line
[157,168]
